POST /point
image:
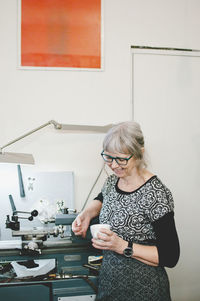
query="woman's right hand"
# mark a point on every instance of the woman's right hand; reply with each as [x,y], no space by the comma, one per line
[82,221]
[81,224]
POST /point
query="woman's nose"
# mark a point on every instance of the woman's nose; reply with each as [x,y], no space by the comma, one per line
[114,164]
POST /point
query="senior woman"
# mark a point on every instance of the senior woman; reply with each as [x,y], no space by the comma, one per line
[140,209]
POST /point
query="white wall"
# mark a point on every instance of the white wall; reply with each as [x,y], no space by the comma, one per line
[30,98]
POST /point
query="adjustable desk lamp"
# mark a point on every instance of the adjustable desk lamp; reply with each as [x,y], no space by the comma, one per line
[28,158]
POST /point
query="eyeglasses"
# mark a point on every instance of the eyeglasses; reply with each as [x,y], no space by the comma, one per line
[119,160]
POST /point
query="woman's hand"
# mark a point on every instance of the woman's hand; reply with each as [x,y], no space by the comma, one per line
[81,224]
[109,240]
[82,221]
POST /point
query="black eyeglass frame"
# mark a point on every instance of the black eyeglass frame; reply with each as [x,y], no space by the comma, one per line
[116,159]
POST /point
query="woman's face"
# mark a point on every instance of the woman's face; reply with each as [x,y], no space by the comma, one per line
[121,171]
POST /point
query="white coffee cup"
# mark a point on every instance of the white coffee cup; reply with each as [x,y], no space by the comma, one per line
[95,229]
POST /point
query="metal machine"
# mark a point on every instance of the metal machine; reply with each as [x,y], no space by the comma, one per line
[49,263]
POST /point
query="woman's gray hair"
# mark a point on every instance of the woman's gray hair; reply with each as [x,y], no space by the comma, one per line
[127,138]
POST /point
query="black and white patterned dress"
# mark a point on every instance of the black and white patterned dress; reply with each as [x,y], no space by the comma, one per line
[131,215]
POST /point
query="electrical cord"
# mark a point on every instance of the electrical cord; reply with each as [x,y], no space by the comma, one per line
[90,192]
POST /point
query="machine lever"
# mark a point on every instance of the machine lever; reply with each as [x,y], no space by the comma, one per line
[14,223]
[12,203]
[32,213]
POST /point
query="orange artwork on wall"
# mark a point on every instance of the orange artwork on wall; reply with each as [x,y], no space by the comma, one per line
[61,33]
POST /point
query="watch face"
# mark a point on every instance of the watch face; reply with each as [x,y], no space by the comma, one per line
[128,252]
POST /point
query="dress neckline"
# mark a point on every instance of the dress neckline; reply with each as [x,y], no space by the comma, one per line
[129,192]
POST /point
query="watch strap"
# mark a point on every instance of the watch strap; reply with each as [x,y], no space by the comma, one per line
[130,244]
[128,251]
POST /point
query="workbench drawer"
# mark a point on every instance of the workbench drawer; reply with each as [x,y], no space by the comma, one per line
[26,292]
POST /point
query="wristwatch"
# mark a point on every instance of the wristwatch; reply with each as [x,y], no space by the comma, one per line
[128,252]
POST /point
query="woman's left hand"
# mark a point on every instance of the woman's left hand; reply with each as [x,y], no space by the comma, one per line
[109,240]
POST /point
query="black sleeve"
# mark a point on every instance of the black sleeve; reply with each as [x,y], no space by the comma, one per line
[99,197]
[167,240]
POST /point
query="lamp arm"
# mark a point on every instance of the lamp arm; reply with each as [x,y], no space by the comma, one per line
[55,124]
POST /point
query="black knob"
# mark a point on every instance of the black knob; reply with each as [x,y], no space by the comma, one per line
[34,213]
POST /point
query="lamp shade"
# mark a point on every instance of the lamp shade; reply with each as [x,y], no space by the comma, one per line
[85,128]
[8,157]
